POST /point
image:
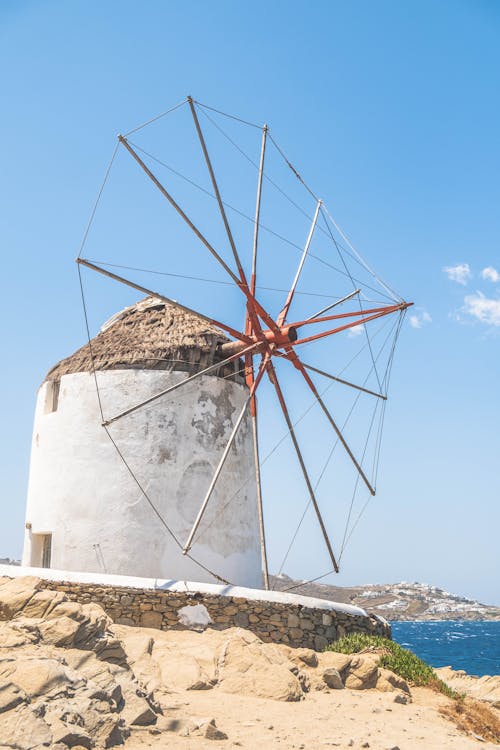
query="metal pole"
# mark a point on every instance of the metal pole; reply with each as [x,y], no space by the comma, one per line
[253,303]
[352,324]
[265,571]
[218,470]
[284,312]
[222,461]
[300,366]
[216,190]
[352,314]
[211,368]
[173,302]
[274,380]
[344,443]
[338,302]
[177,208]
[257,210]
[344,382]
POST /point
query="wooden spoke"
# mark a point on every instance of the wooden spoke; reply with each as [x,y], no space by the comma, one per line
[201,512]
[298,364]
[254,304]
[274,380]
[150,293]
[350,325]
[334,304]
[344,382]
[253,279]
[284,312]
[216,190]
[260,508]
[352,314]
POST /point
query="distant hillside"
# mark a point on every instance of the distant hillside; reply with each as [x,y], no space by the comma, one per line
[396,601]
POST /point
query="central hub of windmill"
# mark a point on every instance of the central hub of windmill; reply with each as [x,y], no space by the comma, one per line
[282,337]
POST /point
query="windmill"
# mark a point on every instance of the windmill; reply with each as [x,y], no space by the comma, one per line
[268,339]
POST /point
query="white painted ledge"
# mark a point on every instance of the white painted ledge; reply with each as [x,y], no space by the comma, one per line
[157,584]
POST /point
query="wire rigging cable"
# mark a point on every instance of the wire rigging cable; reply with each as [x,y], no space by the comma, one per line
[330,455]
[267,229]
[355,254]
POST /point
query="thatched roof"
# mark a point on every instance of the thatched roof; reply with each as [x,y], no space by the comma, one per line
[149,335]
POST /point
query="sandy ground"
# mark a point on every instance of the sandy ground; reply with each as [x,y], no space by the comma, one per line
[343,719]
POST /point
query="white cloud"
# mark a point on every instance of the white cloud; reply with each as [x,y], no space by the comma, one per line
[484,309]
[490,274]
[419,319]
[356,331]
[460,273]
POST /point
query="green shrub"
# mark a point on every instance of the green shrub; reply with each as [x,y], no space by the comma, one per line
[394,657]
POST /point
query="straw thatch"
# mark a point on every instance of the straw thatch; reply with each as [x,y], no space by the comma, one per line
[151,335]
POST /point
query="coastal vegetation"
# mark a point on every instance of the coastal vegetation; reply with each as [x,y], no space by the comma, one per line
[399,660]
[469,715]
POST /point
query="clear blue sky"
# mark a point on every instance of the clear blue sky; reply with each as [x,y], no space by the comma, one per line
[391,110]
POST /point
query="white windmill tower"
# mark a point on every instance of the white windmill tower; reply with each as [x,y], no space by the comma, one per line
[93,508]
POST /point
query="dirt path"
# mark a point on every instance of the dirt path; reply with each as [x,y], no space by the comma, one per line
[345,719]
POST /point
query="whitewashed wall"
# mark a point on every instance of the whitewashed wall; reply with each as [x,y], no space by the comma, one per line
[81,492]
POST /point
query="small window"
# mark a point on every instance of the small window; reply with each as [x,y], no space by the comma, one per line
[52,396]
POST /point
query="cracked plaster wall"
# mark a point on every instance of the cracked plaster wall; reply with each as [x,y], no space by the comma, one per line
[81,492]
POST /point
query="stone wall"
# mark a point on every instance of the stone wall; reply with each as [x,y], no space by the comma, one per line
[294,624]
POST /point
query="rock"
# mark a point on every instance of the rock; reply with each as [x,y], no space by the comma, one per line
[60,631]
[196,616]
[388,681]
[320,642]
[205,728]
[151,619]
[11,695]
[110,649]
[485,688]
[17,633]
[304,680]
[184,671]
[22,730]
[293,620]
[109,731]
[137,711]
[15,594]
[41,602]
[304,656]
[247,666]
[37,676]
[139,643]
[101,684]
[241,620]
[332,678]
[340,662]
[363,673]
[403,698]
[211,732]
[69,609]
[70,735]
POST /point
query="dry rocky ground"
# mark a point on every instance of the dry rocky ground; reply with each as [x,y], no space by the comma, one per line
[71,678]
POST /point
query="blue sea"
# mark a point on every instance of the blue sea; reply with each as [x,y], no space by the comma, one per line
[472,646]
